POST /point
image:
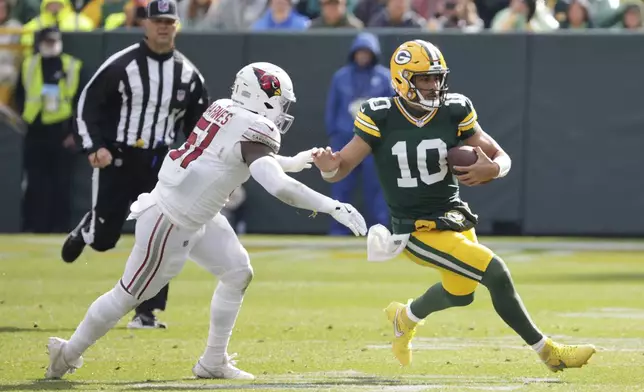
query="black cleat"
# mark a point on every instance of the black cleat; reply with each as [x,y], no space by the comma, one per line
[145,321]
[74,244]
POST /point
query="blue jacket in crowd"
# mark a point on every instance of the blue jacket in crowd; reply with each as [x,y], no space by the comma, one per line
[295,21]
[352,85]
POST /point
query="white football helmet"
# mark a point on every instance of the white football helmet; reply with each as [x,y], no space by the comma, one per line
[267,90]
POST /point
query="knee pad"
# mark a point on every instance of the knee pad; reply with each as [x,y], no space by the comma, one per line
[238,278]
[497,275]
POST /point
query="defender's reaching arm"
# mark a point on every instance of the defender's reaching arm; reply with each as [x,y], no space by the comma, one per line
[335,166]
[266,170]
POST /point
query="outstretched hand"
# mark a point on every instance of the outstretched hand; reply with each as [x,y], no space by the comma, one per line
[326,160]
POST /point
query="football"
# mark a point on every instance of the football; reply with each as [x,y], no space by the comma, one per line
[461,156]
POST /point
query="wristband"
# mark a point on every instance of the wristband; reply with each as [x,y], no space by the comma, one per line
[504,163]
[330,174]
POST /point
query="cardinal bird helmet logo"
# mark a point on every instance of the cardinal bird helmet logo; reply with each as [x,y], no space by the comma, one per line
[269,83]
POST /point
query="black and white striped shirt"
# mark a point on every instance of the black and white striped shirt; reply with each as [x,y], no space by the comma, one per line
[141,99]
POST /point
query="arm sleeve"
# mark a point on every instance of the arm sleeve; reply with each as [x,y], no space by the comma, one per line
[199,102]
[268,173]
[366,127]
[101,91]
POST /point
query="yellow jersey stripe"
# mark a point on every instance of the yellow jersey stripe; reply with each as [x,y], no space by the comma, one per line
[468,124]
[367,125]
[467,119]
[366,130]
[366,118]
[462,128]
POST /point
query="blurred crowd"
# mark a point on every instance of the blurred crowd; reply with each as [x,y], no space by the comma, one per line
[234,15]
[262,15]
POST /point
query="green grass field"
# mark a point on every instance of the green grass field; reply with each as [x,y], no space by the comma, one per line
[312,320]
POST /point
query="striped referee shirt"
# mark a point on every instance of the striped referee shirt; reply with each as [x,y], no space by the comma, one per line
[140,99]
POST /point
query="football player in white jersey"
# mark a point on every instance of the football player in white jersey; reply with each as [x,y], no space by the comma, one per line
[235,138]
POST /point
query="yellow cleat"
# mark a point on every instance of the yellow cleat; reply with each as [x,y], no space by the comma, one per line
[404,331]
[558,357]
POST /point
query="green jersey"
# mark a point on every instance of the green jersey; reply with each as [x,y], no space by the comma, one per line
[411,154]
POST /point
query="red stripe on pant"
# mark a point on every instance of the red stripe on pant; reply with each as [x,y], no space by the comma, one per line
[147,254]
[159,264]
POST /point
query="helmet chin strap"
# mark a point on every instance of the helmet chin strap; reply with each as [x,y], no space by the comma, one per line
[420,99]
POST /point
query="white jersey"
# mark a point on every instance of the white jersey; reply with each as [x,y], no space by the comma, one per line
[196,179]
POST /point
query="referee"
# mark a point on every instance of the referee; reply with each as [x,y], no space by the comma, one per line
[127,116]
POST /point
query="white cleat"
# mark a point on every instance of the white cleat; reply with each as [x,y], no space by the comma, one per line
[58,366]
[226,371]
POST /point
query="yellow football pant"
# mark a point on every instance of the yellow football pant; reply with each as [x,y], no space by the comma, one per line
[459,257]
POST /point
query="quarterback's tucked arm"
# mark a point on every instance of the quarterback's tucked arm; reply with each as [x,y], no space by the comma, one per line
[269,174]
[492,163]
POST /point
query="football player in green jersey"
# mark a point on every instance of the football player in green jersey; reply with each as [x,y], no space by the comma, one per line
[409,136]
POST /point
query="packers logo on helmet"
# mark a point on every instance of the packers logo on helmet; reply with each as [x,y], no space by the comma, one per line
[415,58]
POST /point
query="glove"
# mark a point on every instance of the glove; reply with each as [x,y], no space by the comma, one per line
[297,163]
[350,217]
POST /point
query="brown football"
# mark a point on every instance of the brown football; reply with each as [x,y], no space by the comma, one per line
[461,156]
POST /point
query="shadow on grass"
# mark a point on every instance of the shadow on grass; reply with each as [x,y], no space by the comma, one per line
[12,329]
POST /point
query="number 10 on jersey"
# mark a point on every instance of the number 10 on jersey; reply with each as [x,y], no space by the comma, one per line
[406,180]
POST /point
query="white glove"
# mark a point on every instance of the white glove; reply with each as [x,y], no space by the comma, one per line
[350,217]
[297,163]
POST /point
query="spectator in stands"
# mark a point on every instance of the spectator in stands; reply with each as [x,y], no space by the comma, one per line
[48,89]
[335,14]
[512,18]
[8,55]
[632,17]
[133,15]
[110,7]
[397,13]
[24,10]
[426,8]
[577,16]
[58,13]
[193,12]
[456,14]
[352,85]
[233,15]
[92,9]
[313,8]
[281,15]
[540,17]
[366,9]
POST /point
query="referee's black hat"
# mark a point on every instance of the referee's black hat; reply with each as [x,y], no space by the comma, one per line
[162,9]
